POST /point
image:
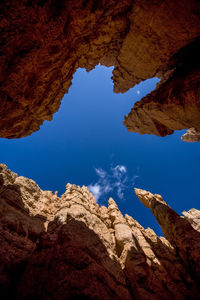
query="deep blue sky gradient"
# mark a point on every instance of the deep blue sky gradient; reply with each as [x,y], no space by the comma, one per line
[87,133]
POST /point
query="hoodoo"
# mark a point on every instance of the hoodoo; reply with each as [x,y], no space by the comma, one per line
[70,247]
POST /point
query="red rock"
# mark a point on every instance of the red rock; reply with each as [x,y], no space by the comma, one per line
[44,42]
[68,247]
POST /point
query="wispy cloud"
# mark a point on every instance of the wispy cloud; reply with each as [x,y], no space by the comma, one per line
[115,180]
[95,190]
[100,172]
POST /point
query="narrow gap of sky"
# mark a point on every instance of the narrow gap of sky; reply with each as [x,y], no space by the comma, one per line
[87,144]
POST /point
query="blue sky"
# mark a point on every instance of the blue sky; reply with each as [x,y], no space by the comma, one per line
[86,143]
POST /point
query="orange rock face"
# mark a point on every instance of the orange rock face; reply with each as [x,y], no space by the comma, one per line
[70,247]
[43,42]
[173,105]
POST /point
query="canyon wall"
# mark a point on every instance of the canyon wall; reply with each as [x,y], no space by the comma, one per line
[43,42]
[69,247]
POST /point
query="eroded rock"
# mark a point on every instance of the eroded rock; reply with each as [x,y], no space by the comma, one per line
[70,247]
[191,135]
[172,106]
[44,42]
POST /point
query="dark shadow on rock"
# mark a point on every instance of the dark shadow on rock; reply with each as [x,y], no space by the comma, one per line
[166,276]
[72,262]
[19,233]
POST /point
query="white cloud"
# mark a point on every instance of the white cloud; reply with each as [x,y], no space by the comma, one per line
[118,172]
[121,168]
[120,193]
[95,190]
[138,92]
[100,172]
[116,180]
[107,188]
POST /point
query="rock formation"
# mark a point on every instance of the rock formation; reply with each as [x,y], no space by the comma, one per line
[43,42]
[172,106]
[69,247]
[191,135]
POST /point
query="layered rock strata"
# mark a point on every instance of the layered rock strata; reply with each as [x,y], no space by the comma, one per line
[69,247]
[43,42]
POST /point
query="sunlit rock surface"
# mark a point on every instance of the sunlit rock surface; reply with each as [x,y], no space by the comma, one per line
[191,135]
[172,106]
[69,247]
[43,42]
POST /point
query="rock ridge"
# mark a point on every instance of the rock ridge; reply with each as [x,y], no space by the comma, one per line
[71,247]
[44,42]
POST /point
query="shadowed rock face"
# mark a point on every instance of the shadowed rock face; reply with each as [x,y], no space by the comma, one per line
[175,103]
[69,247]
[43,42]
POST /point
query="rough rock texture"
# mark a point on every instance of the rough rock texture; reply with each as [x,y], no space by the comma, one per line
[193,216]
[43,42]
[69,247]
[191,135]
[172,106]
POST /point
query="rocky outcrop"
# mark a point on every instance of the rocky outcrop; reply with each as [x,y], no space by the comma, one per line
[193,217]
[43,42]
[69,247]
[173,105]
[178,231]
[191,135]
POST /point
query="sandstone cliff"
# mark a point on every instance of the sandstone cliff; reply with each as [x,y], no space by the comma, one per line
[69,247]
[43,42]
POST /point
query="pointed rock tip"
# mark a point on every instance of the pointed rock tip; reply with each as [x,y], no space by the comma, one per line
[144,196]
[137,191]
[112,202]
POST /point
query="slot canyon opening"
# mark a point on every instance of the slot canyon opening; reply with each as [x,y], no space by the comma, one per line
[69,246]
[86,143]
